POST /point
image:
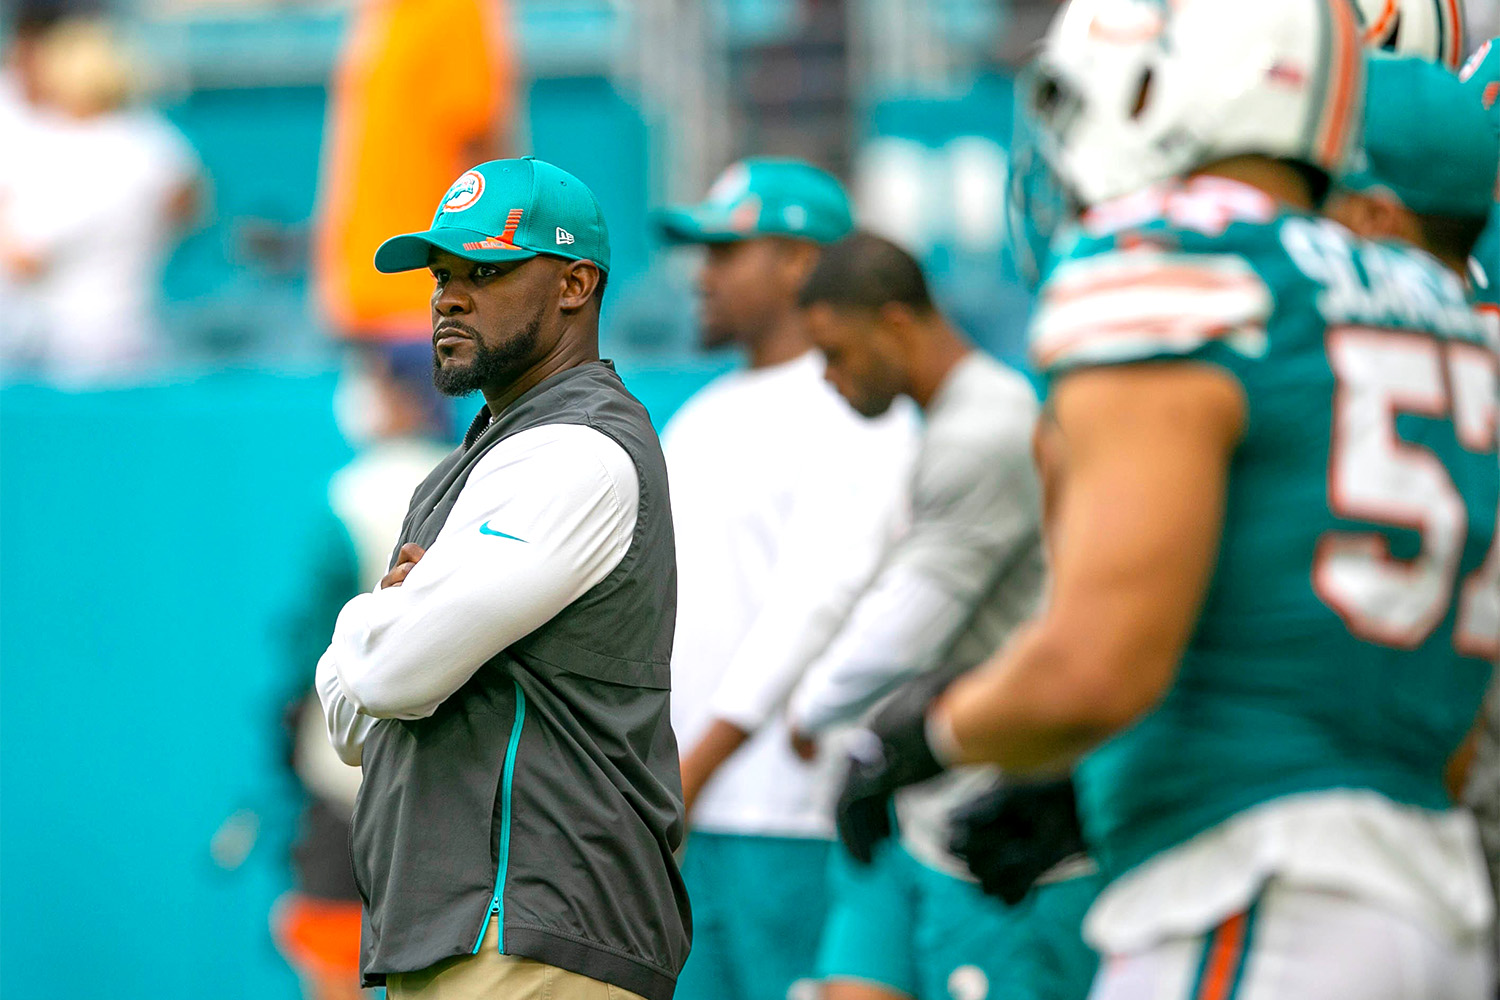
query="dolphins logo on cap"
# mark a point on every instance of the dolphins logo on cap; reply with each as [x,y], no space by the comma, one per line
[464,192]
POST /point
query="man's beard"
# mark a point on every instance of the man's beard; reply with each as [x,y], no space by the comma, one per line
[713,337]
[491,365]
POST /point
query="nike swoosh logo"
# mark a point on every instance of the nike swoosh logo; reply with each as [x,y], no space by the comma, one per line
[485,529]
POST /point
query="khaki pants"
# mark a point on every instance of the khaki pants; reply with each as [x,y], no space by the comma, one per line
[490,975]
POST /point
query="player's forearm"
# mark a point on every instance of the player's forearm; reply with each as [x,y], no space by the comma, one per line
[1046,700]
[1136,535]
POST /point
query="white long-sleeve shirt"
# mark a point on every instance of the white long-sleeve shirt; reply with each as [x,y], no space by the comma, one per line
[545,515]
[950,590]
[969,569]
[782,500]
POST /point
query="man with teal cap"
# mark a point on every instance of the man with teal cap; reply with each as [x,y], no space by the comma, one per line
[764,196]
[505,689]
[1481,75]
[760,225]
[781,497]
[1430,162]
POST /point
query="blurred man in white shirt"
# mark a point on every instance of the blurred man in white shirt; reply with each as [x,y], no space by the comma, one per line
[95,190]
[782,499]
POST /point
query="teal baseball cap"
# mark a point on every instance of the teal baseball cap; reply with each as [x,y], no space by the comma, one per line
[763,196]
[1481,75]
[1427,141]
[507,210]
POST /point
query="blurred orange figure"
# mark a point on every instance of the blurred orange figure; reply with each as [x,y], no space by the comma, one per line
[423,89]
[321,940]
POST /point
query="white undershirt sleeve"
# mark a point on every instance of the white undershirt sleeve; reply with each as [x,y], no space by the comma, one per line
[347,725]
[976,509]
[898,629]
[545,515]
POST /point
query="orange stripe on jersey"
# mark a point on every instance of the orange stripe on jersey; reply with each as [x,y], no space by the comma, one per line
[1186,278]
[1151,328]
[1346,56]
[1226,948]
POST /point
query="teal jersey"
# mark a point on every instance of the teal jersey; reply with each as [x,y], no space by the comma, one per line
[1354,612]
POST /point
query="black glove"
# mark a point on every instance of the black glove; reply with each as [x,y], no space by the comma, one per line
[1010,836]
[890,754]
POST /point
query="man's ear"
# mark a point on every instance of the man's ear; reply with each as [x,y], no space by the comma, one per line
[899,322]
[1375,216]
[579,280]
[898,316]
[1401,222]
[800,258]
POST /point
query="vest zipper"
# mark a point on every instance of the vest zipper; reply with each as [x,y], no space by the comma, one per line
[497,902]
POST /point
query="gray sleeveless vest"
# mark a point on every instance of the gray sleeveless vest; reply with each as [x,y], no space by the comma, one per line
[544,793]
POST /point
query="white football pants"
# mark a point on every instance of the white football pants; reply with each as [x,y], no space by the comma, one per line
[1304,944]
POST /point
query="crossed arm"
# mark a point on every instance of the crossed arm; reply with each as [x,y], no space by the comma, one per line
[545,516]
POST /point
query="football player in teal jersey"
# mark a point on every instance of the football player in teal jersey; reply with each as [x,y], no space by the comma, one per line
[1276,594]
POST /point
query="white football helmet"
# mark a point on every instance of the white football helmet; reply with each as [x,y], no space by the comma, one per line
[1130,92]
[1429,29]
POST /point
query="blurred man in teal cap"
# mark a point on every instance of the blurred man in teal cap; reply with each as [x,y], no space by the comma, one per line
[1431,157]
[761,224]
[1481,75]
[505,689]
[781,497]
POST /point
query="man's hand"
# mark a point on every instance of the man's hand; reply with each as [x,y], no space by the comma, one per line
[891,754]
[1011,836]
[718,743]
[411,553]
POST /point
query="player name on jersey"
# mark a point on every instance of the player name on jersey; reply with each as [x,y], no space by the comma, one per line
[1376,284]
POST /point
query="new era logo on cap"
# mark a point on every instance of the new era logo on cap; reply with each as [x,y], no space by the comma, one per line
[563,236]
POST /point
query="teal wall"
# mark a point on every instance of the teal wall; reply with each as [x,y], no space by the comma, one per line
[153,547]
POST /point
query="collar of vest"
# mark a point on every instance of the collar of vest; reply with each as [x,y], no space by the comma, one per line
[483,420]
